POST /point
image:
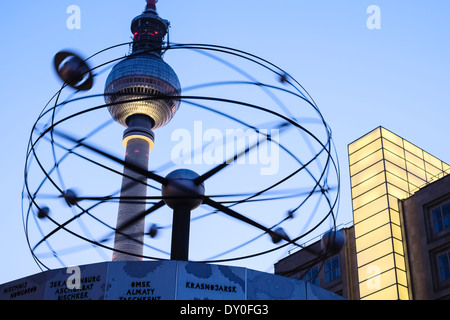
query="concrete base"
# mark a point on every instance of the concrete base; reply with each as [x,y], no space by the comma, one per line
[160,280]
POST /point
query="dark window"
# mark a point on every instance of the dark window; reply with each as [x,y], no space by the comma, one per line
[332,269]
[441,217]
[311,276]
[444,266]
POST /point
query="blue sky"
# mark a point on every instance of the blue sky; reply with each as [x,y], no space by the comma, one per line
[397,76]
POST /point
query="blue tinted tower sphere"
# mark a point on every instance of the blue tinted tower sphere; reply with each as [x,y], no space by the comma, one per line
[142,92]
[136,78]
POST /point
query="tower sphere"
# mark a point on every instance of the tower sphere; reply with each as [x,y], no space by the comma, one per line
[143,76]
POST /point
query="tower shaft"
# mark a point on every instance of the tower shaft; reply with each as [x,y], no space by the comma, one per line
[141,93]
[132,202]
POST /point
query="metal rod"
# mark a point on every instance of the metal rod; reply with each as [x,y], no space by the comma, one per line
[180,233]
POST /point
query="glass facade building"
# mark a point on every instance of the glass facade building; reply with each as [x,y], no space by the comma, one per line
[398,244]
[385,168]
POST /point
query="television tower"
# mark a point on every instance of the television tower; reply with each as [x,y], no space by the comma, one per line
[141,92]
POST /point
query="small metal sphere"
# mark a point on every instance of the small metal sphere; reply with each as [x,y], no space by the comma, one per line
[43,212]
[153,230]
[140,76]
[333,240]
[73,70]
[279,235]
[181,190]
[70,196]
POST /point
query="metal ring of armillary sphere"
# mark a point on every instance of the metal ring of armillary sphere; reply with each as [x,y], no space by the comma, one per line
[241,162]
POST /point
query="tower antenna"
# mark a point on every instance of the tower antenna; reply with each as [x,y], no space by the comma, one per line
[151,4]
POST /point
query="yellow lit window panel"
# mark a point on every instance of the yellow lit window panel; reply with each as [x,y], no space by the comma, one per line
[370,209]
[418,162]
[432,160]
[392,147]
[358,144]
[375,267]
[393,203]
[440,175]
[415,182]
[365,151]
[401,277]
[403,293]
[398,246]
[397,181]
[400,262]
[366,162]
[395,216]
[368,184]
[434,178]
[398,160]
[413,149]
[431,170]
[419,173]
[373,237]
[389,293]
[395,170]
[397,192]
[392,137]
[446,167]
[369,196]
[377,283]
[375,252]
[396,232]
[367,173]
[373,222]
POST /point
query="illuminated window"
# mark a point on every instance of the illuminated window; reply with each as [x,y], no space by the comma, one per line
[332,269]
[441,217]
[444,266]
[311,276]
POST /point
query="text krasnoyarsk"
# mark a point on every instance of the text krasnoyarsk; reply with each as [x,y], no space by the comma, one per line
[212,287]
